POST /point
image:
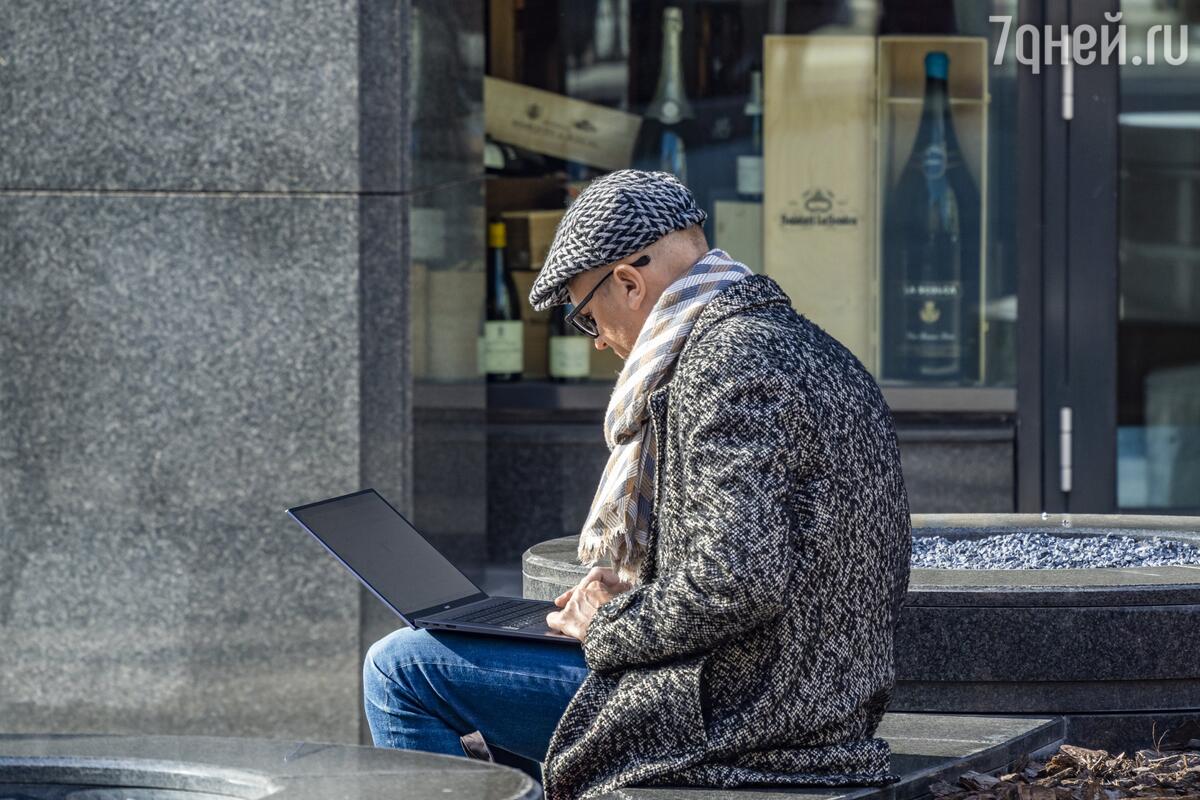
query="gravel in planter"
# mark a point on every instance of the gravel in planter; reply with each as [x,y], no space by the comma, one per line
[1047,551]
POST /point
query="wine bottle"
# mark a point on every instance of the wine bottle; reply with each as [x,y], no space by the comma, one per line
[931,250]
[570,349]
[503,341]
[667,125]
[750,165]
[501,158]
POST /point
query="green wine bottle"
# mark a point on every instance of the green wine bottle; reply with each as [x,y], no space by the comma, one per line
[503,346]
[570,349]
[668,125]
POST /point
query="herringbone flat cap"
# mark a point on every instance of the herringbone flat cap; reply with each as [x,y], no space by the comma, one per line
[616,215]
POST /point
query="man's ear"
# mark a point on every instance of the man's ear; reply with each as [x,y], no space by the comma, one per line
[633,285]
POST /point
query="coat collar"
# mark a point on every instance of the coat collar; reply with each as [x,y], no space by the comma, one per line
[750,292]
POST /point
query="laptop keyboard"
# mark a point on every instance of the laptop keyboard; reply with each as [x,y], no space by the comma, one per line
[511,614]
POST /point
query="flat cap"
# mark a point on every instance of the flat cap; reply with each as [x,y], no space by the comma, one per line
[616,215]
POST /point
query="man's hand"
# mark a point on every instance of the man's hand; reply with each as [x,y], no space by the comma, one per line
[580,602]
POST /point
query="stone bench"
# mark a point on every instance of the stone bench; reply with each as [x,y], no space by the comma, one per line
[925,748]
[1112,651]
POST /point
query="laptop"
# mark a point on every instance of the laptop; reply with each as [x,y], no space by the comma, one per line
[375,542]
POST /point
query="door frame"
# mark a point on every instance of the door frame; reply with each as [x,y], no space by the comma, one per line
[1067,287]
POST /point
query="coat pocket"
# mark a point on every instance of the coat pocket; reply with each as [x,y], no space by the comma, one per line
[647,724]
[663,707]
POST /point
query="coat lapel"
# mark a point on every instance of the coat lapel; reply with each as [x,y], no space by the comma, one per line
[659,399]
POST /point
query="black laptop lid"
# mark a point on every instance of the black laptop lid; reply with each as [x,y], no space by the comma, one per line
[385,552]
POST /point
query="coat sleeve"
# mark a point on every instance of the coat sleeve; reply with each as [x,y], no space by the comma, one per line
[742,452]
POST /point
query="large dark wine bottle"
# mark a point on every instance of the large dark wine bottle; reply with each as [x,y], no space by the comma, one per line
[570,349]
[931,251]
[503,348]
[668,123]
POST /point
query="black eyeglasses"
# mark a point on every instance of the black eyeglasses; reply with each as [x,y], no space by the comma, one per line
[584,322]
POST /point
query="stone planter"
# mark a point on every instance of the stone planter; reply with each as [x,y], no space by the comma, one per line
[1114,651]
[101,767]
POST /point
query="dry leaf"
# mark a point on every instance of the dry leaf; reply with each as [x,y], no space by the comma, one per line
[978,781]
[1083,754]
[1080,773]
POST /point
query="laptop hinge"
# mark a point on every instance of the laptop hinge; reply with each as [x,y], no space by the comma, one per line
[443,607]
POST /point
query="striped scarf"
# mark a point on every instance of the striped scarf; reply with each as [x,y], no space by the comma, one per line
[618,523]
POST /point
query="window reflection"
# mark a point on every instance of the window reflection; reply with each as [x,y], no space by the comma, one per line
[805,199]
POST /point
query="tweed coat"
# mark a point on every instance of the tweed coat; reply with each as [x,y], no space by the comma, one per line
[756,646]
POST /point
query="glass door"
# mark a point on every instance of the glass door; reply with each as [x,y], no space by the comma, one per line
[1121,294]
[1158,322]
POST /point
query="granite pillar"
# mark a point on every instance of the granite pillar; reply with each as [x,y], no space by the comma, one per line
[204,238]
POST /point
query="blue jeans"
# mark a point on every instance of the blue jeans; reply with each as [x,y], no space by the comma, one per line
[424,689]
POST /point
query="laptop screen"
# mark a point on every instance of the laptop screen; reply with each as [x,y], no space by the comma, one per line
[386,552]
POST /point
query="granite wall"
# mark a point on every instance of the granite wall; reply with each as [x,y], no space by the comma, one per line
[204,237]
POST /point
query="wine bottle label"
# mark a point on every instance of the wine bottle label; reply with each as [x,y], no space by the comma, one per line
[932,314]
[503,346]
[750,175]
[933,162]
[570,356]
[493,156]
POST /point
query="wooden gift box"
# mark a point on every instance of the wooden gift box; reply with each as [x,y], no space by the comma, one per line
[840,116]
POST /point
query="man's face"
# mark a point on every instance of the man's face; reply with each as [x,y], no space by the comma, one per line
[618,308]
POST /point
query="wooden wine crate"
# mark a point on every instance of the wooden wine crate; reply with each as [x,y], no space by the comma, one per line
[819,209]
[559,126]
[530,234]
[738,230]
[840,116]
[536,330]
